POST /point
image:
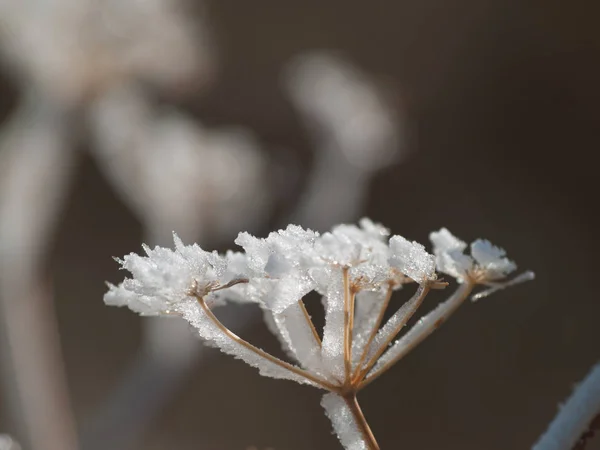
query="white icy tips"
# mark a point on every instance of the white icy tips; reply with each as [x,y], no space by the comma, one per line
[355,269]
[487,264]
[164,278]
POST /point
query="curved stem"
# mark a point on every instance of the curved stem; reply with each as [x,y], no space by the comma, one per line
[261,353]
[419,332]
[309,322]
[361,421]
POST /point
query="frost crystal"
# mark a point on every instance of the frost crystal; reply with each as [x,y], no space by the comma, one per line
[279,265]
[333,332]
[448,250]
[491,259]
[356,269]
[163,278]
[487,264]
[411,259]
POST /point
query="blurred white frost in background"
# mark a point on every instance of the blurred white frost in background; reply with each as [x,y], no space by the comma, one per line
[35,164]
[73,49]
[91,82]
[8,443]
[355,130]
[345,109]
[176,174]
[64,54]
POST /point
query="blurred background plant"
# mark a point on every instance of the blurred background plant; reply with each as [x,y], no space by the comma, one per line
[123,121]
[8,443]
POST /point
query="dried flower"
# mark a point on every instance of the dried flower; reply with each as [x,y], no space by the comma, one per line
[355,268]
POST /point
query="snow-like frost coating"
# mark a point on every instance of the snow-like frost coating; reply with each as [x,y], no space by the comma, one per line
[343,422]
[491,259]
[164,277]
[411,259]
[354,268]
[487,264]
[333,332]
[285,258]
[214,336]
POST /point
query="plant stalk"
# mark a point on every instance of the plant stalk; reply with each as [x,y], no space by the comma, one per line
[361,421]
[348,319]
[421,330]
[297,370]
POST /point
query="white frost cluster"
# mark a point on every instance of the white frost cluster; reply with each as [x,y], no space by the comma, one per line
[164,279]
[354,268]
[487,264]
[343,422]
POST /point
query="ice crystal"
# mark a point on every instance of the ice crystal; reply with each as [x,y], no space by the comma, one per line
[412,259]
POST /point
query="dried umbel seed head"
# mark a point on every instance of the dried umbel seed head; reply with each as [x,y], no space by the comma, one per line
[355,268]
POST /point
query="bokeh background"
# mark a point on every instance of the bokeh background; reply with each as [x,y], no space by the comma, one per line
[496,108]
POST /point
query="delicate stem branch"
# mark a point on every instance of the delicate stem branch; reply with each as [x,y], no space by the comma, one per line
[361,421]
[374,331]
[309,322]
[261,353]
[413,304]
[420,331]
[347,325]
[352,312]
[575,416]
[231,283]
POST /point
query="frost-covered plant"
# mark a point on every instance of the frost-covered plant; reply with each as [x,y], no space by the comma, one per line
[355,269]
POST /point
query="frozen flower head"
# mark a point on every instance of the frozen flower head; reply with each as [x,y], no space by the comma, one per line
[279,265]
[363,250]
[412,259]
[164,278]
[487,264]
[351,245]
[356,269]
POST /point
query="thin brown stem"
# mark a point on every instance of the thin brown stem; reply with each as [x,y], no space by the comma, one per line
[376,326]
[352,312]
[423,329]
[347,329]
[231,283]
[361,421]
[309,322]
[296,370]
[414,304]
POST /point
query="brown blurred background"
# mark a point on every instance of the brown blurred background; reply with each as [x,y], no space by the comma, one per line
[501,103]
